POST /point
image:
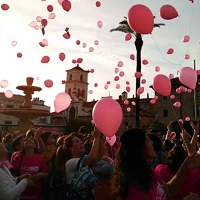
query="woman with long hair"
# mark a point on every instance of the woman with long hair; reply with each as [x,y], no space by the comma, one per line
[69,154]
[133,177]
[29,161]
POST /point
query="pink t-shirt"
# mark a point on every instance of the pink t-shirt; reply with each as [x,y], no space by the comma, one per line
[156,191]
[31,165]
[188,184]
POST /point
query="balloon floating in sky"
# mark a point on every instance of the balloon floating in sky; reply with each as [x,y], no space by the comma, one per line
[120,64]
[45,59]
[128,109]
[38,19]
[145,62]
[50,8]
[95,85]
[128,37]
[51,16]
[172,96]
[170,51]
[138,75]
[116,78]
[92,71]
[107,114]
[91,49]
[140,19]
[162,85]
[126,102]
[152,101]
[188,77]
[168,12]
[84,45]
[66,5]
[140,90]
[4,83]
[48,83]
[61,56]
[33,24]
[127,83]
[98,4]
[100,24]
[14,43]
[118,86]
[116,70]
[186,38]
[90,91]
[96,42]
[66,35]
[177,104]
[108,82]
[19,55]
[132,57]
[157,69]
[187,56]
[121,73]
[78,42]
[45,42]
[171,76]
[79,60]
[74,61]
[62,101]
[5,6]
[143,81]
[128,89]
[187,119]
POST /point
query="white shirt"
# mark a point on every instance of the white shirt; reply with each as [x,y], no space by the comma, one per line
[9,189]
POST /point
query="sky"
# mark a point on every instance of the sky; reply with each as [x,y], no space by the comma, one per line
[82,23]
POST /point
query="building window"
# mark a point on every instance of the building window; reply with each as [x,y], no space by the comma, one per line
[9,106]
[197,93]
[83,93]
[70,77]
[69,91]
[81,77]
[7,122]
[165,113]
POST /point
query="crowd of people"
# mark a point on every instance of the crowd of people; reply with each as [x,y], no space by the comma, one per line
[139,165]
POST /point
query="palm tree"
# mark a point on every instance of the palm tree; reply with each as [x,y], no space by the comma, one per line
[125,28]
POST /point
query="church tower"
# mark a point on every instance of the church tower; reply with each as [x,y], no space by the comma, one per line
[77,83]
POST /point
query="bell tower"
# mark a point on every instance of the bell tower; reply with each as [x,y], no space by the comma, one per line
[76,84]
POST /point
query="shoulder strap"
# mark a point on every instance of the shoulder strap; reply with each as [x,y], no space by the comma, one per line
[81,161]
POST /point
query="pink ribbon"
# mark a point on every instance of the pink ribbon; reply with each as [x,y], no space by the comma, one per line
[6,163]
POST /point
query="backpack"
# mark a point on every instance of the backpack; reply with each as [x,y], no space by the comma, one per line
[83,181]
[58,186]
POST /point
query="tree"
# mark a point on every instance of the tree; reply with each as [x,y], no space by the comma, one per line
[125,28]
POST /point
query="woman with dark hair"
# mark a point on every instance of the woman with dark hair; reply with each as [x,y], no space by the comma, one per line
[176,157]
[17,145]
[134,179]
[69,154]
[160,157]
[29,161]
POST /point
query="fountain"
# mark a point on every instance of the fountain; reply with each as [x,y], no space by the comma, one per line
[26,114]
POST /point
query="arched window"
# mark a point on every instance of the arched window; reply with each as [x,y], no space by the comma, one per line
[69,91]
[79,92]
[81,77]
[72,113]
[70,77]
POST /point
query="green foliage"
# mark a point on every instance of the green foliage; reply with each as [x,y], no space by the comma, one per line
[73,125]
[158,125]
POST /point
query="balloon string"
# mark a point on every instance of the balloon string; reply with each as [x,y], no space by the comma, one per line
[173,110]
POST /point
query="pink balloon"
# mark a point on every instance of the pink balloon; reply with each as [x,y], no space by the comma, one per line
[108,82]
[138,74]
[33,24]
[128,109]
[126,102]
[173,135]
[91,49]
[45,59]
[132,57]
[127,83]
[80,60]
[66,5]
[62,102]
[92,71]
[100,24]
[198,72]
[140,19]
[106,86]
[177,104]
[107,114]
[4,83]
[171,76]
[118,86]
[116,78]
[155,97]
[170,51]
[48,83]
[98,4]
[178,90]
[60,2]
[128,37]
[187,119]
[95,85]
[182,88]
[186,38]
[157,69]
[120,64]
[189,90]
[143,81]
[145,62]
[162,85]
[133,103]
[90,91]
[180,121]
[45,42]
[8,94]
[38,19]
[19,55]
[168,12]
[153,101]
[187,56]
[116,70]
[84,45]
[74,61]
[14,43]
[172,96]
[5,6]
[96,42]
[140,90]
[128,89]
[78,42]
[111,140]
[51,16]
[121,73]
[50,8]
[188,77]
[61,56]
